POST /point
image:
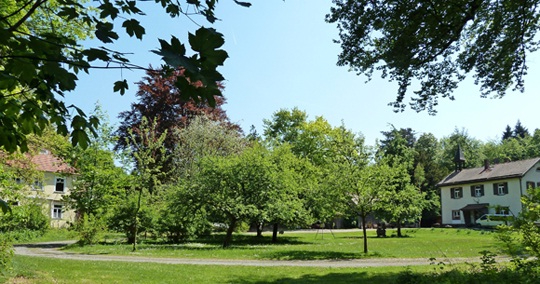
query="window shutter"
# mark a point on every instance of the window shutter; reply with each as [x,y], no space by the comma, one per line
[473,193]
[505,188]
[482,189]
[452,193]
[495,189]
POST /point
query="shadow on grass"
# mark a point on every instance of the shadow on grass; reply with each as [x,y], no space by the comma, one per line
[45,245]
[334,278]
[316,255]
[203,244]
[379,238]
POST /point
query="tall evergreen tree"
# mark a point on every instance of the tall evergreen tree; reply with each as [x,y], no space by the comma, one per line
[520,131]
[508,133]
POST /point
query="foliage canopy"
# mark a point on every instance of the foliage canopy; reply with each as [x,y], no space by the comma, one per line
[438,43]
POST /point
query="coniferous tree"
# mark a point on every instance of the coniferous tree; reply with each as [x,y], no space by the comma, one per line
[508,133]
[520,131]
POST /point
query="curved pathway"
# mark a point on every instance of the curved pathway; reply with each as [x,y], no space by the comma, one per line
[51,250]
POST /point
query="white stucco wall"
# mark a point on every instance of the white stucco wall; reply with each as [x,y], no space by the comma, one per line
[516,187]
[51,197]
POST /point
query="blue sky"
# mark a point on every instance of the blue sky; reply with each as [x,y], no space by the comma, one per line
[281,55]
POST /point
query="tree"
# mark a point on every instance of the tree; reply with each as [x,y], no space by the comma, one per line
[520,131]
[471,150]
[361,189]
[147,174]
[41,55]
[97,187]
[286,203]
[232,188]
[400,200]
[322,145]
[203,137]
[428,152]
[508,133]
[438,43]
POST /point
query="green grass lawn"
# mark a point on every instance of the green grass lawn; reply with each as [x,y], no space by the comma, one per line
[43,270]
[418,243]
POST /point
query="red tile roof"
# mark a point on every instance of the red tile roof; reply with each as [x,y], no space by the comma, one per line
[50,163]
[45,162]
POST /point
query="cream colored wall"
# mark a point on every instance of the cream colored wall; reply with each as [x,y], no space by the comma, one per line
[512,199]
[50,196]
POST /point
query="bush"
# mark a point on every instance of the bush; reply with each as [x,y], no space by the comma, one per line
[6,254]
[26,219]
[88,227]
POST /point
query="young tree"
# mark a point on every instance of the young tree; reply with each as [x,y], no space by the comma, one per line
[286,203]
[233,187]
[400,200]
[361,187]
[97,186]
[438,43]
[147,174]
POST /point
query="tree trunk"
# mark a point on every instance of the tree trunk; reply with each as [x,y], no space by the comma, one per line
[274,233]
[136,223]
[363,217]
[399,228]
[230,230]
[260,229]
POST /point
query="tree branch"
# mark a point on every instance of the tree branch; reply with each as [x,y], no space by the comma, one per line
[28,14]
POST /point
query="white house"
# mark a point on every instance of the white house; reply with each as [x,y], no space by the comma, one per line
[467,194]
[55,182]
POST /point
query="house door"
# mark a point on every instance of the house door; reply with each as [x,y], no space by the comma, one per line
[467,217]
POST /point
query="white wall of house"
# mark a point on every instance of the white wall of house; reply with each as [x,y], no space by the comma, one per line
[52,189]
[516,188]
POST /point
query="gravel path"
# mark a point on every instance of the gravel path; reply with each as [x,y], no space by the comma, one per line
[51,250]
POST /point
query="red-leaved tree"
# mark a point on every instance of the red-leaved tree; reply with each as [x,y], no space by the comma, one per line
[159,99]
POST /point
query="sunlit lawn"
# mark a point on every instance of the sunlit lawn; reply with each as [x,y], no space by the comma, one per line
[44,270]
[418,243]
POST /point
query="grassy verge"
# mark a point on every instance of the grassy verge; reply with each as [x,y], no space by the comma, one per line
[43,270]
[418,243]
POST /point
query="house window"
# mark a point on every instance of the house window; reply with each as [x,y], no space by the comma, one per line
[477,190]
[504,210]
[530,184]
[500,188]
[57,211]
[60,185]
[456,193]
[37,185]
[456,215]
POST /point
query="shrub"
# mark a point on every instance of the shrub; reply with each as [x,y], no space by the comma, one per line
[88,227]
[6,253]
[25,219]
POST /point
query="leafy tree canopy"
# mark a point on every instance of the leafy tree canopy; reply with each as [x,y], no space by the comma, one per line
[438,43]
[41,55]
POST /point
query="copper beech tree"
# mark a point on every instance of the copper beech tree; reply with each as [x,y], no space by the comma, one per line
[160,99]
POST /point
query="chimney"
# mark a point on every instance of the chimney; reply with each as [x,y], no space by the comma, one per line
[486,164]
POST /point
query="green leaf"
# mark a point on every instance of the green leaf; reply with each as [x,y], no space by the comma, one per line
[4,206]
[121,86]
[206,39]
[133,27]
[108,9]
[94,53]
[174,55]
[104,32]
